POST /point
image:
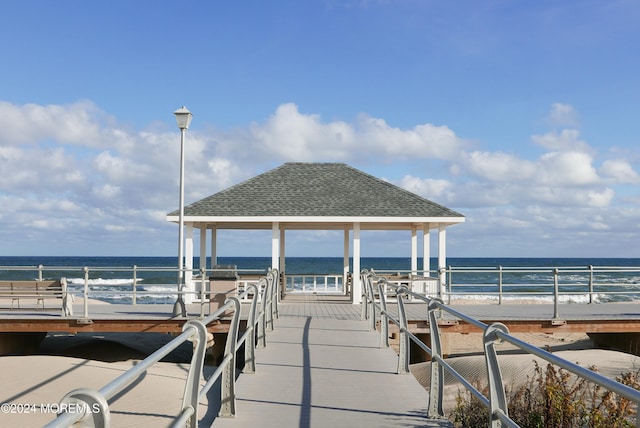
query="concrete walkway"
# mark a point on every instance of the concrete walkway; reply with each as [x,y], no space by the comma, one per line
[323,372]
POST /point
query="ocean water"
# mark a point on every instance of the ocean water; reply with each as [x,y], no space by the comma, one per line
[111,278]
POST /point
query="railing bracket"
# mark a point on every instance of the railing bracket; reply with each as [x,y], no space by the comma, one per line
[558,322]
[84,321]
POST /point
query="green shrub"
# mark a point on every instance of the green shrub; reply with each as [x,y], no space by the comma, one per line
[553,398]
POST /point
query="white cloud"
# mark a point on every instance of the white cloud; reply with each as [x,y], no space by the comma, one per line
[290,135]
[566,169]
[29,169]
[620,171]
[294,136]
[565,140]
[108,184]
[107,191]
[429,188]
[496,166]
[80,123]
[563,115]
[422,141]
[569,197]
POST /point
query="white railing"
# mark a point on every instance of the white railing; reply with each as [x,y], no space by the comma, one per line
[496,403]
[417,281]
[142,285]
[575,284]
[314,283]
[130,285]
[92,407]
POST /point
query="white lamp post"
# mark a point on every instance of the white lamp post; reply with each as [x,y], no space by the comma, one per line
[183,118]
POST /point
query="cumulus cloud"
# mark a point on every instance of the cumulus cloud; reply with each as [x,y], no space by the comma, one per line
[563,115]
[565,140]
[620,171]
[496,166]
[71,172]
[80,123]
[566,169]
[291,135]
[435,189]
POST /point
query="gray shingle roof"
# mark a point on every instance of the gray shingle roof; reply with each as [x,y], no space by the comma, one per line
[316,189]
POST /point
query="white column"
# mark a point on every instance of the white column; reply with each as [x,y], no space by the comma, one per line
[203,259]
[414,250]
[203,247]
[426,250]
[345,264]
[442,255]
[275,245]
[214,246]
[188,254]
[356,297]
[282,265]
[282,252]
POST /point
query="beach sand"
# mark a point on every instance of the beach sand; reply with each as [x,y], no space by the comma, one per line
[515,366]
[34,384]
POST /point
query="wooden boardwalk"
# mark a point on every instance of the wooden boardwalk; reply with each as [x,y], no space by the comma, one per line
[323,368]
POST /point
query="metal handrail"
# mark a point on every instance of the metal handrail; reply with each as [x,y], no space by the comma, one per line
[492,333]
[500,283]
[92,407]
[84,272]
[553,285]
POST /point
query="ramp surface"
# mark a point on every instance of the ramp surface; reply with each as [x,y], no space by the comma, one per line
[323,372]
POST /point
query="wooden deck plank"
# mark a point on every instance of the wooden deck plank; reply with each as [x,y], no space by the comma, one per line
[600,317]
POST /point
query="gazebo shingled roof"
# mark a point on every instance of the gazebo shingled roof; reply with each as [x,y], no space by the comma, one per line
[316,190]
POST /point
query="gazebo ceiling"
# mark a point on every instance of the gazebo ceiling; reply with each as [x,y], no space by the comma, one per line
[316,196]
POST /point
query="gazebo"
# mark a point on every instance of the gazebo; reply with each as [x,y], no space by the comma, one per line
[316,196]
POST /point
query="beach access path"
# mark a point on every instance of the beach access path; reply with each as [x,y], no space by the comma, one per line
[320,371]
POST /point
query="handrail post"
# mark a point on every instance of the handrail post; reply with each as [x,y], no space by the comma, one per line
[262,321]
[273,282]
[450,282]
[40,267]
[228,384]
[384,319]
[203,286]
[364,277]
[135,280]
[436,390]
[268,302]
[192,385]
[93,404]
[403,356]
[250,343]
[273,298]
[590,283]
[86,292]
[497,396]
[556,293]
[499,285]
[276,292]
[372,304]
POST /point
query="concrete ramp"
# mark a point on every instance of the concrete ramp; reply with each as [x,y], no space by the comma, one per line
[322,372]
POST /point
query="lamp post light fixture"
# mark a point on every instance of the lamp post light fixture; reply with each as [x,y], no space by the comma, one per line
[183,118]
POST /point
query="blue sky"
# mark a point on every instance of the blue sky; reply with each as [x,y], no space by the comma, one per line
[523,116]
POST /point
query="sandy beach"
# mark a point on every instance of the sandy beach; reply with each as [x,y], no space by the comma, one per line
[34,384]
[66,362]
[467,358]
